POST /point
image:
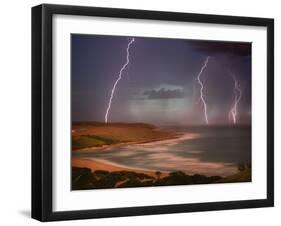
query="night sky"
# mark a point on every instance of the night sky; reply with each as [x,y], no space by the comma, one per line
[159,84]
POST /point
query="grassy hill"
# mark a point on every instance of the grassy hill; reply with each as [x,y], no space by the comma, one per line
[94,134]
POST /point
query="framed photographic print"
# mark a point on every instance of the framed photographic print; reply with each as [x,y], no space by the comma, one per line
[146,112]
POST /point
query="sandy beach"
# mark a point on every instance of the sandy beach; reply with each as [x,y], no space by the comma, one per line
[95,164]
[111,167]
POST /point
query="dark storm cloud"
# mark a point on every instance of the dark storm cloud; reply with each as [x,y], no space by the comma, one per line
[163,94]
[233,48]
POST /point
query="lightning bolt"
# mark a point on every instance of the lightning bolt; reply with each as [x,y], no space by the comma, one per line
[202,88]
[118,79]
[237,97]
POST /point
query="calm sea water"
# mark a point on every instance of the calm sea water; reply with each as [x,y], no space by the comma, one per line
[203,150]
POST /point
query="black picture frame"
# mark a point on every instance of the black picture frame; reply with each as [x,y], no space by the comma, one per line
[42,111]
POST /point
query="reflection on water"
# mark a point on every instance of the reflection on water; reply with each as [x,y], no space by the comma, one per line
[204,150]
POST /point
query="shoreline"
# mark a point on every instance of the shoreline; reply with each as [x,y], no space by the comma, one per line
[176,137]
[102,164]
[114,176]
[98,164]
[95,164]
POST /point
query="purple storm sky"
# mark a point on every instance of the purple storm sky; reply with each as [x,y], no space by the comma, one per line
[159,84]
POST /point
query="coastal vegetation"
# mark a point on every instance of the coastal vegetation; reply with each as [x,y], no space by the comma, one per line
[84,178]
